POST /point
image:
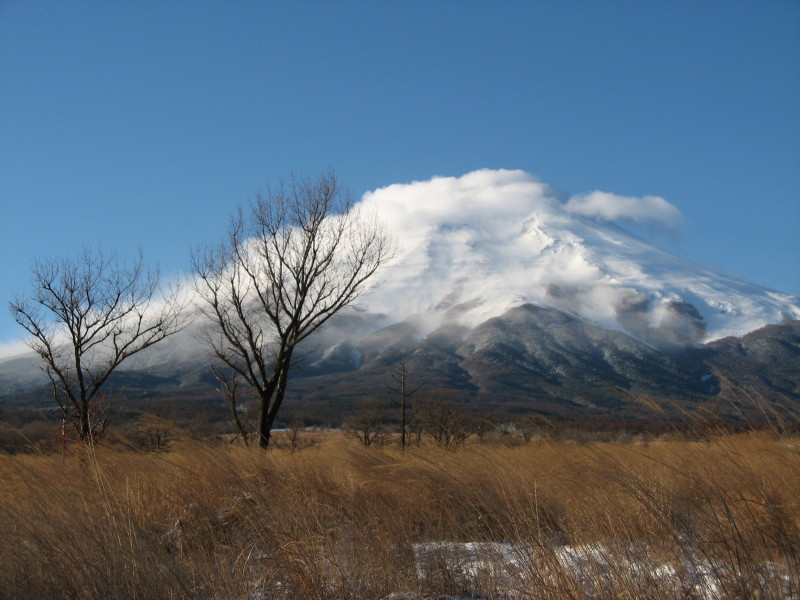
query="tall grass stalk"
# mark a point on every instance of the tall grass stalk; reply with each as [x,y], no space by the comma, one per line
[666,519]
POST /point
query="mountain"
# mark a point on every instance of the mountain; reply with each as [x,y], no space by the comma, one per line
[513,294]
[471,248]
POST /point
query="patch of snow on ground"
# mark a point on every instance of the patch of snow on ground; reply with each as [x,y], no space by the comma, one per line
[514,571]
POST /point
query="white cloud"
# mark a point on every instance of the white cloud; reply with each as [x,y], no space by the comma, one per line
[456,234]
[496,239]
[13,349]
[648,210]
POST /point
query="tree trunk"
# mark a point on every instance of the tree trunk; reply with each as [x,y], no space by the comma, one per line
[265,422]
[271,402]
[86,426]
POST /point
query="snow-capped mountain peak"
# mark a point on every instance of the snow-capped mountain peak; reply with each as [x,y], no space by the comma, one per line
[473,247]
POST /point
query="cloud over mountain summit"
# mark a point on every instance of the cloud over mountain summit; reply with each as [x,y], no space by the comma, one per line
[472,247]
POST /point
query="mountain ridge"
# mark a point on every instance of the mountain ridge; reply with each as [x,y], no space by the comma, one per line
[529,358]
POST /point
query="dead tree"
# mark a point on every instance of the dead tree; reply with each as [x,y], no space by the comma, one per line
[155,431]
[367,424]
[404,393]
[531,425]
[85,316]
[443,418]
[290,262]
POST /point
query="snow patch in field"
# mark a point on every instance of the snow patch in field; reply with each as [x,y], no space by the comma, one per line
[600,569]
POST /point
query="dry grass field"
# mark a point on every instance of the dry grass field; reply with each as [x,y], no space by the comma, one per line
[550,519]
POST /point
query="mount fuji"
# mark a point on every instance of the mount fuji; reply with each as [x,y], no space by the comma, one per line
[474,247]
[507,292]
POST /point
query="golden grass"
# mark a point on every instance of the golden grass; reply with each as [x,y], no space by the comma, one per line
[339,521]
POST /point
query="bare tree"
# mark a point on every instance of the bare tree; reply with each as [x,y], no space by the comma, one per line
[400,387]
[367,424]
[289,263]
[293,439]
[531,425]
[443,417]
[155,431]
[86,315]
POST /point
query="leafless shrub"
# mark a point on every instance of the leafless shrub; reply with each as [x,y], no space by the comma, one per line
[367,425]
[155,430]
[443,418]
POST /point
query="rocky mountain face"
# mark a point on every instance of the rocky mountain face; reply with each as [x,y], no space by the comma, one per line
[543,359]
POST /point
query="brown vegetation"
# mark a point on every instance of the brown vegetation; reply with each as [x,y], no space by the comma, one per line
[338,520]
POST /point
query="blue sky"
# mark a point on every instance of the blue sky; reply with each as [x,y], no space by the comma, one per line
[145,123]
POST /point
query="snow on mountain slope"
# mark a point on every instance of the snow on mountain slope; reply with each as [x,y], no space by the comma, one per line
[472,247]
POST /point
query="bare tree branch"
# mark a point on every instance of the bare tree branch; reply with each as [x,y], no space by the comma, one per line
[400,387]
[289,263]
[85,316]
